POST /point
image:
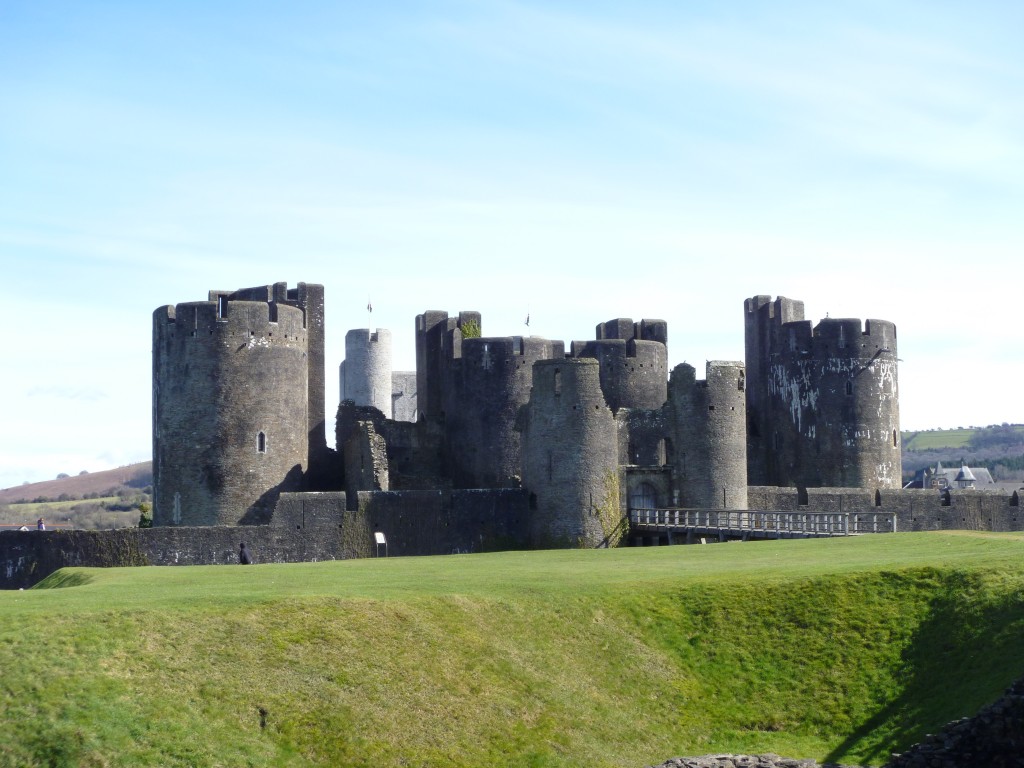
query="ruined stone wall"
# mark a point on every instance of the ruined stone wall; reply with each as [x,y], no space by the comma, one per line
[403,396]
[570,456]
[231,419]
[413,450]
[366,460]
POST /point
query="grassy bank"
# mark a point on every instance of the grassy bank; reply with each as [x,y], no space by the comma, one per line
[839,649]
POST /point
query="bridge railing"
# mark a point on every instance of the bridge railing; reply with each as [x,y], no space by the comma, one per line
[768,521]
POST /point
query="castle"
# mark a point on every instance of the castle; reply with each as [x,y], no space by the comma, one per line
[497,442]
[567,439]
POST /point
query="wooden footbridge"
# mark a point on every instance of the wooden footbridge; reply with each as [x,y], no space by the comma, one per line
[691,525]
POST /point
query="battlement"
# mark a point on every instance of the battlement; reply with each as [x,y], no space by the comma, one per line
[633,371]
[224,317]
[572,382]
[836,338]
[488,352]
[782,310]
[365,337]
[624,328]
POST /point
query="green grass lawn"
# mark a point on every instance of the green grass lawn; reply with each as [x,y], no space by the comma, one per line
[843,649]
[940,438]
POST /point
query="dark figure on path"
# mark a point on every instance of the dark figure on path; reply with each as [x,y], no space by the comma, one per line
[243,555]
[41,524]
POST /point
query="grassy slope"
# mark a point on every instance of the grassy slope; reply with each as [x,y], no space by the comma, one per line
[843,649]
[940,438]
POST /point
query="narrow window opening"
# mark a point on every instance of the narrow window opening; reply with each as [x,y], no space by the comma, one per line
[895,439]
[1015,500]
[842,337]
[711,407]
[801,496]
[878,498]
[222,307]
[558,381]
[261,442]
[849,388]
[741,383]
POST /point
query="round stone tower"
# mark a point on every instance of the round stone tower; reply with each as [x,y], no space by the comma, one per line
[365,374]
[826,413]
[858,425]
[634,362]
[570,456]
[230,416]
[709,436]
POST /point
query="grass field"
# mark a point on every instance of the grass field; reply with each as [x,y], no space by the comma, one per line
[32,508]
[844,649]
[940,438]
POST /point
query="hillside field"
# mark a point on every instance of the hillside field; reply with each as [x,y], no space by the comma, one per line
[843,649]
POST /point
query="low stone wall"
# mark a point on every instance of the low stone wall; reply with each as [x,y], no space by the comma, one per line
[916,509]
[306,527]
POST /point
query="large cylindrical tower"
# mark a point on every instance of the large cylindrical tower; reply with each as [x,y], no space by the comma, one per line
[828,405]
[570,456]
[230,415]
[859,424]
[708,424]
[634,362]
[365,374]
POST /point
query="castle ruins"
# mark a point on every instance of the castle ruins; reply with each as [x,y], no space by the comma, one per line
[497,442]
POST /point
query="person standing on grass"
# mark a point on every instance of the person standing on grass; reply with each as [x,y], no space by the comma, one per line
[243,555]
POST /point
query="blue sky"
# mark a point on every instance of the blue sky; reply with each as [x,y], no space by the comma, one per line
[573,161]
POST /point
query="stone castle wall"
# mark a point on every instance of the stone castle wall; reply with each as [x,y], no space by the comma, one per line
[306,527]
[488,385]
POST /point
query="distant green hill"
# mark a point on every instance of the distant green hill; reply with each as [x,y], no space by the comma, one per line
[999,448]
[937,438]
[1009,435]
[843,649]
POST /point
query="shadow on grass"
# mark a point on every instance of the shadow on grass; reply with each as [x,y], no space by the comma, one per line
[962,657]
[64,578]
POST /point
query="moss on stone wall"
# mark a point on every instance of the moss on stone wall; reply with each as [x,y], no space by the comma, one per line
[614,524]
